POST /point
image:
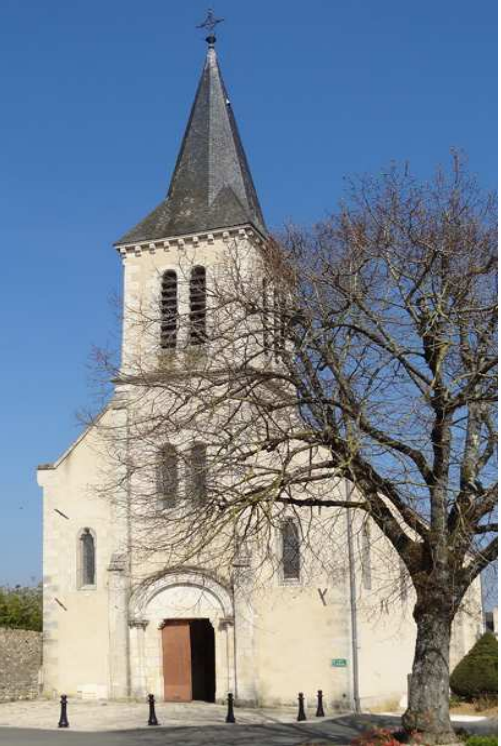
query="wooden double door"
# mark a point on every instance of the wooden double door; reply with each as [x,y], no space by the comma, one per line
[189,660]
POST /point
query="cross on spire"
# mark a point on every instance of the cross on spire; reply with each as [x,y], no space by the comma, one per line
[210,24]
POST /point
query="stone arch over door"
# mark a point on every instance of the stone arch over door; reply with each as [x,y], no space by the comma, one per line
[183,594]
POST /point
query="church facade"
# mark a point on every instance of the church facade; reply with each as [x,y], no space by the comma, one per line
[119,626]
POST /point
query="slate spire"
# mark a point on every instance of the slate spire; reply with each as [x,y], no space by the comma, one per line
[212,185]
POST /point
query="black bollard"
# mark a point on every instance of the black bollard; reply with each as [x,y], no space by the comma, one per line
[320,706]
[301,715]
[230,717]
[152,720]
[63,720]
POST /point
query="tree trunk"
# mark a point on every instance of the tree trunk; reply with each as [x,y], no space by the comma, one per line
[428,707]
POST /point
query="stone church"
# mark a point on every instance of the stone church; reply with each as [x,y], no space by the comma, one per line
[195,632]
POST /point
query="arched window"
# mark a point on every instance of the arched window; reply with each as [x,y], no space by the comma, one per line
[168,477]
[87,558]
[291,560]
[198,306]
[198,471]
[168,310]
[366,557]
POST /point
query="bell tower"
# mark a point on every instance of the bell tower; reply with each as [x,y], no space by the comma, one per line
[171,254]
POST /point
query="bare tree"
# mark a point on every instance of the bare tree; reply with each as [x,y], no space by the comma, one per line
[362,352]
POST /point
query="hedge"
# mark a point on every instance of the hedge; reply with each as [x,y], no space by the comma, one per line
[477,672]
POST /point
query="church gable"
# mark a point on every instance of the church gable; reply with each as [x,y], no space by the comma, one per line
[86,434]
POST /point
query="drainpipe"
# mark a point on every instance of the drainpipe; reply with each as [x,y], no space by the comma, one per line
[353,604]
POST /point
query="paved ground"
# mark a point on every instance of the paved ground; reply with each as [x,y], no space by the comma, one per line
[123,724]
[112,716]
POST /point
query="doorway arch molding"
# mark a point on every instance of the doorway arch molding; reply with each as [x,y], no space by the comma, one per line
[190,577]
[181,593]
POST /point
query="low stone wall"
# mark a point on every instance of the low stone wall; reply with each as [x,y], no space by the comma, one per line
[20,661]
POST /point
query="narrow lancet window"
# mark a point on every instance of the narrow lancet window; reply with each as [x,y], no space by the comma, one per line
[198,306]
[87,558]
[291,561]
[168,477]
[168,311]
[198,472]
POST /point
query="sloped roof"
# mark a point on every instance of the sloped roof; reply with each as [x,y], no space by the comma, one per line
[212,185]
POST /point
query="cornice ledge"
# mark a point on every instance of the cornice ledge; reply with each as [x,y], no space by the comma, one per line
[246,230]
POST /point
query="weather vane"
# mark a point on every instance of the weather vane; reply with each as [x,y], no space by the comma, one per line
[210,24]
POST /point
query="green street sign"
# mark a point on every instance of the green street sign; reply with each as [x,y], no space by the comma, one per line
[339,663]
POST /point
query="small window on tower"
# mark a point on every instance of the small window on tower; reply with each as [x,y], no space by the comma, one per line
[87,559]
[198,472]
[168,477]
[291,559]
[168,311]
[198,306]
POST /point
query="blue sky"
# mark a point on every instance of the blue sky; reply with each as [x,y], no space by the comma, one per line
[95,97]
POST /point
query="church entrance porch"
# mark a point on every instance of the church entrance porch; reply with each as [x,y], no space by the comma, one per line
[189,664]
[181,641]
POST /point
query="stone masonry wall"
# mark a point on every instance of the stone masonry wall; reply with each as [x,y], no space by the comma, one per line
[20,661]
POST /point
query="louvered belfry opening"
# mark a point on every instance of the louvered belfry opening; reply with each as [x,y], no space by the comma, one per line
[168,311]
[198,306]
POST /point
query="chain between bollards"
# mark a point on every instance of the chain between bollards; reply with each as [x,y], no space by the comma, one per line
[63,719]
[320,704]
[152,719]
[230,717]
[301,715]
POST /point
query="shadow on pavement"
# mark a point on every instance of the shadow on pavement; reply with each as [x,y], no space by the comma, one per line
[339,732]
[279,734]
